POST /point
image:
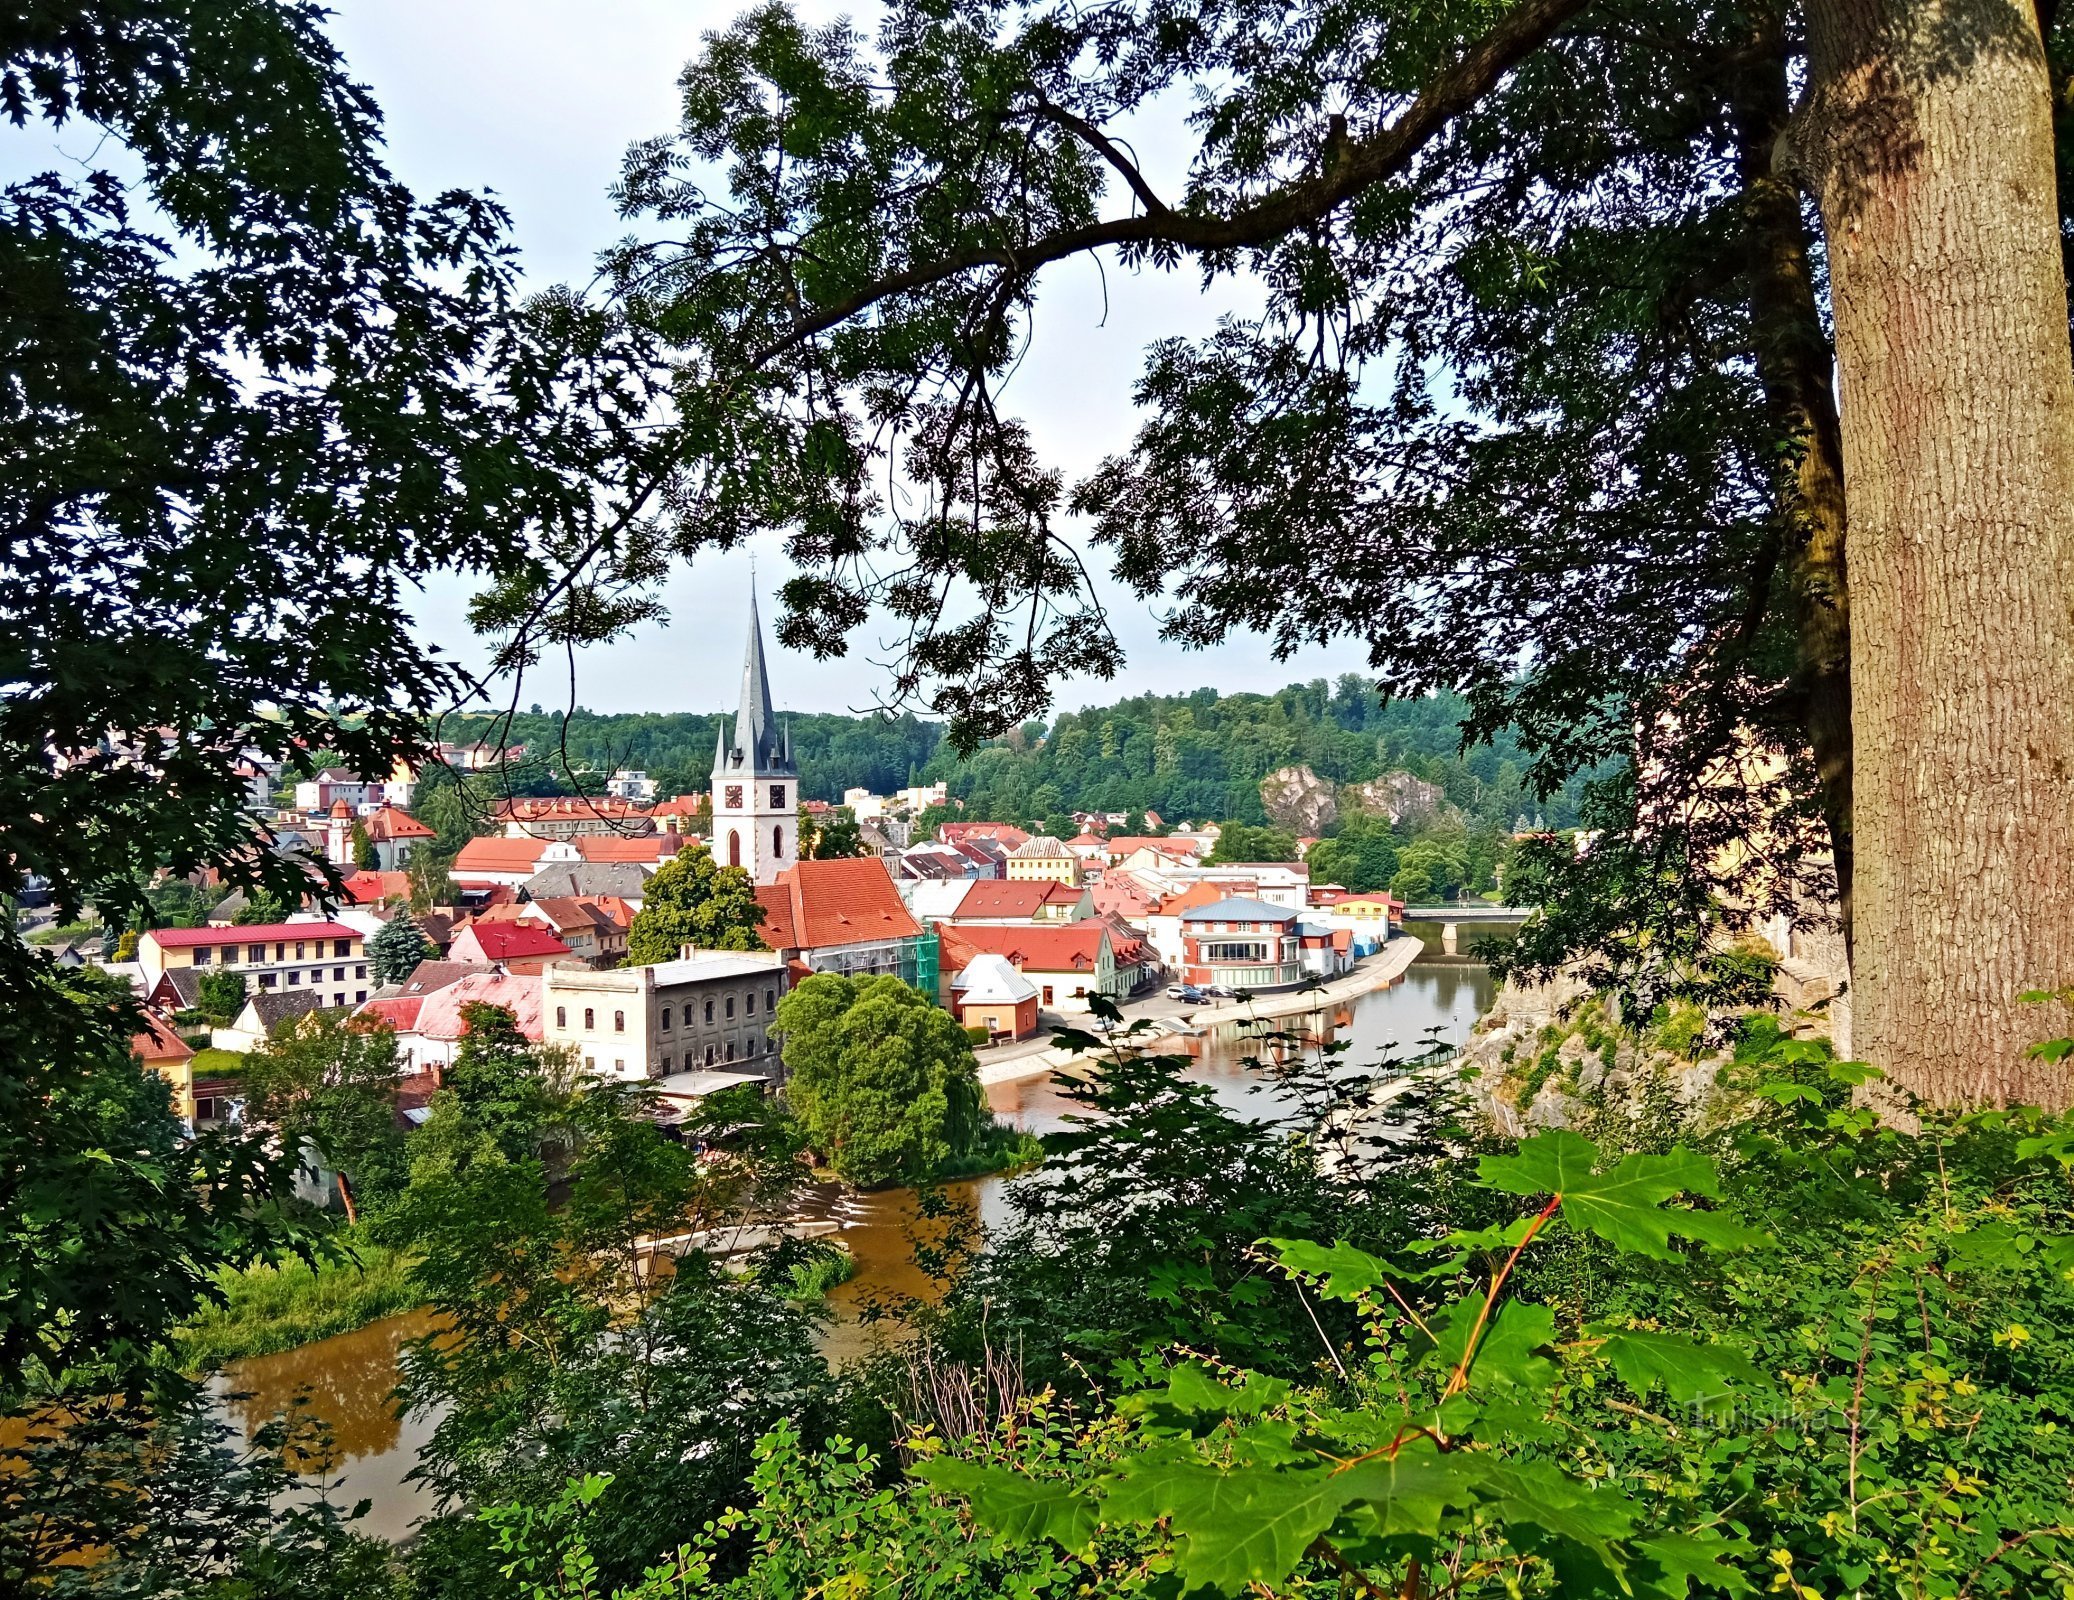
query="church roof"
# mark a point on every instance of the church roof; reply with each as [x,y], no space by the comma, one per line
[759,744]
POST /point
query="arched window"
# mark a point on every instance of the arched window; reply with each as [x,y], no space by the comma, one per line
[777,841]
[734,848]
[590,1019]
[619,1022]
[709,1011]
[561,1016]
[666,1019]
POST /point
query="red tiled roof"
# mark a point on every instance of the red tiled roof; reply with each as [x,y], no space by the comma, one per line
[156,1041]
[498,855]
[366,888]
[817,904]
[1202,894]
[685,805]
[541,809]
[1055,947]
[193,938]
[991,897]
[392,823]
[1006,832]
[400,1011]
[509,941]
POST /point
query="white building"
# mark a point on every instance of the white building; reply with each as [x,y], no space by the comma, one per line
[755,780]
[627,785]
[864,805]
[711,1008]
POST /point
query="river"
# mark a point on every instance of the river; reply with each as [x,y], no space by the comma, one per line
[348,1378]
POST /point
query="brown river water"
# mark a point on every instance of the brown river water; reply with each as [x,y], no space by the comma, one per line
[348,1379]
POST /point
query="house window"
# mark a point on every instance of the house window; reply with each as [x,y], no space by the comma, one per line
[709,1055]
[1047,994]
[339,999]
[228,955]
[666,1019]
[255,953]
[294,980]
[590,1063]
[201,955]
[770,999]
[266,980]
[561,1016]
[299,947]
[730,1049]
[619,1022]
[360,971]
[359,995]
[709,1011]
[666,1067]
[590,1019]
[342,947]
[280,952]
[338,974]
[777,797]
[730,1006]
[749,1003]
[619,1066]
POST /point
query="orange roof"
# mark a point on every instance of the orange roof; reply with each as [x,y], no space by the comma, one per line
[1042,947]
[685,805]
[1203,894]
[498,855]
[540,809]
[1127,844]
[816,904]
[997,897]
[390,823]
[157,1043]
[1005,832]
[611,847]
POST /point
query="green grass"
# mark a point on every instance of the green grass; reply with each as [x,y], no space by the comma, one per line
[214,1063]
[272,1308]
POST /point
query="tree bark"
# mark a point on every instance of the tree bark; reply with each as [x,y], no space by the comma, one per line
[1794,360]
[1927,137]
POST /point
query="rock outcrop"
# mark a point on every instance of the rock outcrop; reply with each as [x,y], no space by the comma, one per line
[1396,795]
[1298,799]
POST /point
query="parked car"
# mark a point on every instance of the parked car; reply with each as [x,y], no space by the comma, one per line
[1219,991]
[1188,993]
[1177,991]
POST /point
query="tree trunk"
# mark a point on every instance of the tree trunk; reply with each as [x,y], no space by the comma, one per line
[1793,364]
[1928,139]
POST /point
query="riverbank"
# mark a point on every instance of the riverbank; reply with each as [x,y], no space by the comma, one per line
[1379,971]
[269,1309]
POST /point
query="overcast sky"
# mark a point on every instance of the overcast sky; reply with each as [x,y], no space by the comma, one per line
[537,100]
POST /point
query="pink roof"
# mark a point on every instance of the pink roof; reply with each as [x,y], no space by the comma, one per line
[508,941]
[440,1015]
[400,1011]
[258,933]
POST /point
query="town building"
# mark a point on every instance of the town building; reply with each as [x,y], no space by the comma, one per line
[260,1015]
[517,947]
[846,916]
[314,797]
[989,993]
[430,1026]
[755,780]
[1378,912]
[711,1008]
[164,1052]
[1006,834]
[626,784]
[863,804]
[568,816]
[1243,943]
[1043,857]
[1039,900]
[621,881]
[1281,883]
[329,958]
[1067,962]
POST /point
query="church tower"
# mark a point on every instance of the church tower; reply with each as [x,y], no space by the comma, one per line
[755,781]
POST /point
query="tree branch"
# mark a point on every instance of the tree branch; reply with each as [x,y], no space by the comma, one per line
[1100,142]
[1360,165]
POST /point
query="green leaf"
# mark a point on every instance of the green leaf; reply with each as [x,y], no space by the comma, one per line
[1233,1528]
[1343,1273]
[1409,1494]
[1690,1372]
[1688,1558]
[1623,1206]
[1195,1391]
[1505,1349]
[1542,1496]
[1020,1509]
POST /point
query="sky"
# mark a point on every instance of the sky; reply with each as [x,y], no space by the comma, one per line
[537,100]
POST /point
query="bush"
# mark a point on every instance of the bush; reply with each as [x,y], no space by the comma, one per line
[977,1034]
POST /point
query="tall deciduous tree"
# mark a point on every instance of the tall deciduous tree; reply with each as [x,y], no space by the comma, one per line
[330,1080]
[1928,139]
[694,900]
[1538,403]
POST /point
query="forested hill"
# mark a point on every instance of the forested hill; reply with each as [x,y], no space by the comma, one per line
[1198,756]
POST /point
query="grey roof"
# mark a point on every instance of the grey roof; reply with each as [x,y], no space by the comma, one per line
[272,1007]
[758,742]
[187,984]
[1239,908]
[427,976]
[623,879]
[1043,845]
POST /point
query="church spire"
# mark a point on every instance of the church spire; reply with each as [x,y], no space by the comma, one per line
[753,721]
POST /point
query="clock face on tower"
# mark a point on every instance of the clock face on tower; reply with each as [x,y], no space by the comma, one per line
[734,797]
[778,796]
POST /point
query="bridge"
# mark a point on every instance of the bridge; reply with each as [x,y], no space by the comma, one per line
[1452,917]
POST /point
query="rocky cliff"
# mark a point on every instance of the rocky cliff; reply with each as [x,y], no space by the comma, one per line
[1298,799]
[1396,795]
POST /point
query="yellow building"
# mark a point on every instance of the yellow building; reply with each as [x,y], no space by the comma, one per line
[1376,908]
[164,1052]
[328,957]
[1043,859]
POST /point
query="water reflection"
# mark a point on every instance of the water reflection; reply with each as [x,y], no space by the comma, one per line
[349,1378]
